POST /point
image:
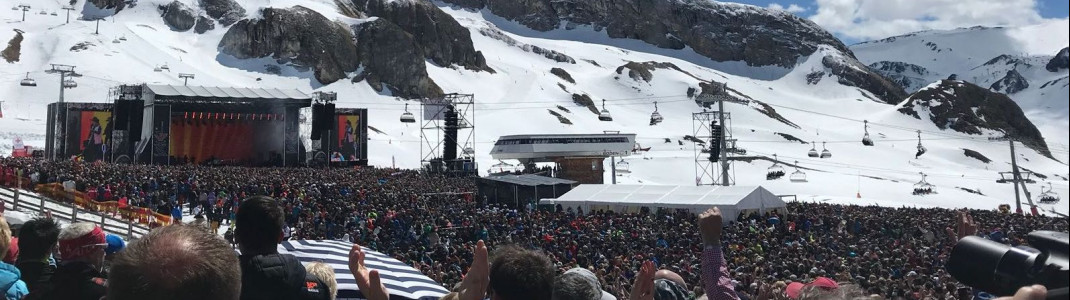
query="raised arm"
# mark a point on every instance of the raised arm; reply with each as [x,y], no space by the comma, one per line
[368,281]
[715,280]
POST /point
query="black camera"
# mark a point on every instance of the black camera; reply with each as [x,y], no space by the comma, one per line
[1001,269]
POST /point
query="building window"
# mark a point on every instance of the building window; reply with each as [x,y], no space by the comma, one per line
[605,140]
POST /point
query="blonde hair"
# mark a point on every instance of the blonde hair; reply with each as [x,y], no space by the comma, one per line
[325,273]
[5,236]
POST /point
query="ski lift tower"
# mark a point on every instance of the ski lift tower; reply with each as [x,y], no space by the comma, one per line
[65,72]
[712,164]
[25,8]
[448,134]
[1016,178]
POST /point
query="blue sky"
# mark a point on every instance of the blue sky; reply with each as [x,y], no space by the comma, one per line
[859,20]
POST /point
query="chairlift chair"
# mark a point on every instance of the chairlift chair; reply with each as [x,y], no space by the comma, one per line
[923,187]
[14,8]
[157,69]
[813,150]
[469,151]
[28,81]
[122,38]
[798,175]
[776,171]
[921,149]
[70,84]
[623,166]
[655,117]
[502,167]
[54,14]
[825,153]
[866,141]
[165,67]
[604,115]
[1048,197]
[407,117]
[42,12]
[115,41]
[1006,177]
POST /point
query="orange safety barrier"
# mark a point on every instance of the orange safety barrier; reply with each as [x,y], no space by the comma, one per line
[135,214]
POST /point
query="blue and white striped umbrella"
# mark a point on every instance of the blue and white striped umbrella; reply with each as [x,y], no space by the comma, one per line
[402,280]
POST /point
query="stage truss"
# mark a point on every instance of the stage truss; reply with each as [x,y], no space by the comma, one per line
[708,172]
[433,139]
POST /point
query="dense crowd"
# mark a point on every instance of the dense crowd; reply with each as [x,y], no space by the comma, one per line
[434,222]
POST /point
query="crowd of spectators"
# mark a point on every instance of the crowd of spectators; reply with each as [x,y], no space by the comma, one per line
[434,223]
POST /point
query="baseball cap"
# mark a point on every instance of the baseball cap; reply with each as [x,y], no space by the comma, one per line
[592,279]
[115,244]
[824,283]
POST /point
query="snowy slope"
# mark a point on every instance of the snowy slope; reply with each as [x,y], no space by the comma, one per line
[515,100]
[951,51]
[983,56]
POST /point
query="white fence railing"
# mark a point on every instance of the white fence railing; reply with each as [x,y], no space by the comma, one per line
[34,204]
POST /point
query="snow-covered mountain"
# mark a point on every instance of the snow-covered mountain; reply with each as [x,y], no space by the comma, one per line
[794,82]
[1027,63]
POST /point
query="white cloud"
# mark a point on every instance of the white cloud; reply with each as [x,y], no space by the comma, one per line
[792,8]
[875,19]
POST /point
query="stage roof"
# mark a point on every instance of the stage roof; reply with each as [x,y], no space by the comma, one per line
[529,180]
[227,92]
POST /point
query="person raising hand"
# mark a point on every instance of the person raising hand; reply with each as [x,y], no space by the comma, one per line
[715,280]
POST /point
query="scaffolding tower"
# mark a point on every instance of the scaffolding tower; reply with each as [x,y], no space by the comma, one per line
[713,132]
[448,134]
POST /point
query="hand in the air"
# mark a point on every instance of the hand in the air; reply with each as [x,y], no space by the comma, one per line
[474,285]
[368,281]
[643,287]
[710,225]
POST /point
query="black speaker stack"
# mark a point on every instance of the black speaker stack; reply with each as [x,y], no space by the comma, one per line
[128,115]
[317,121]
[137,115]
[329,121]
[322,119]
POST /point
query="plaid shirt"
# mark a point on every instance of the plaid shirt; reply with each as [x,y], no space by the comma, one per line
[715,280]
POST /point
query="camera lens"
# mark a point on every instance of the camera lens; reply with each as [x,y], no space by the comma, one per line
[990,266]
[974,260]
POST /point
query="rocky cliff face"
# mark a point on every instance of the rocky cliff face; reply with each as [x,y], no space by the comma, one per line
[968,108]
[226,11]
[439,37]
[178,16]
[849,71]
[204,24]
[13,51]
[297,36]
[910,76]
[1011,83]
[1061,61]
[117,5]
[391,49]
[391,59]
[495,33]
[720,31]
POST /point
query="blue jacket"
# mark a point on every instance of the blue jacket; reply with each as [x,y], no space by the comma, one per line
[10,283]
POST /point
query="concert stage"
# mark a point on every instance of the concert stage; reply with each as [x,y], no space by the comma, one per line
[168,124]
